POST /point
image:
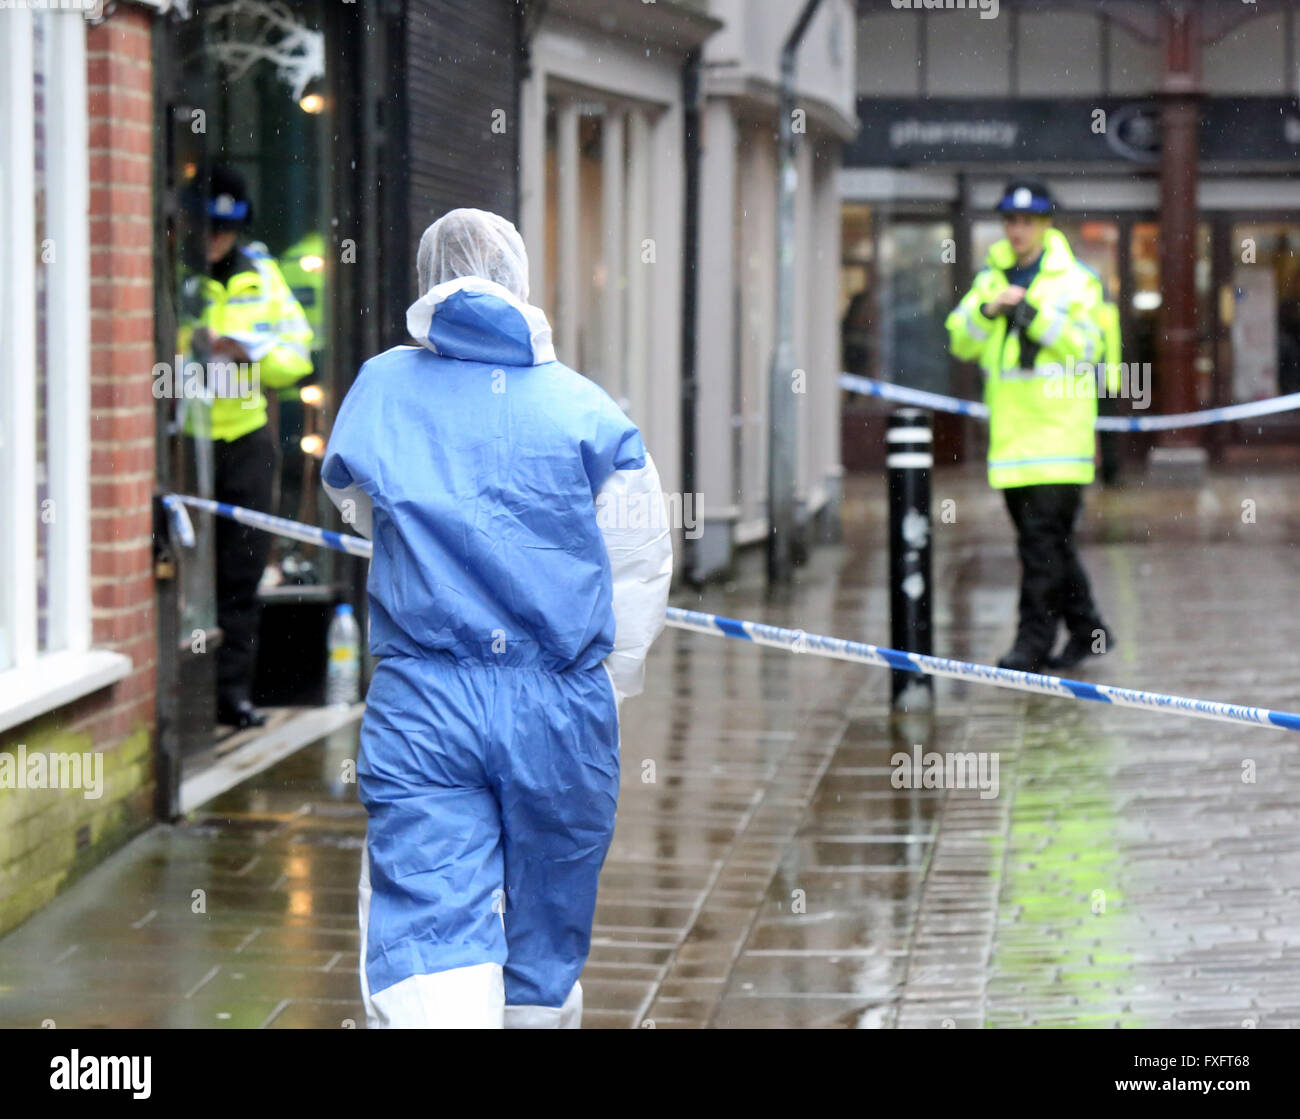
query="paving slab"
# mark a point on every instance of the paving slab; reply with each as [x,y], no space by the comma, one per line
[1132,870]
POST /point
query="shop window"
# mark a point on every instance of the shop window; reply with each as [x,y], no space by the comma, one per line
[46,657]
[597,198]
[44,380]
[916,295]
[1143,297]
[858,312]
[1263,309]
[252,98]
[576,272]
[44,524]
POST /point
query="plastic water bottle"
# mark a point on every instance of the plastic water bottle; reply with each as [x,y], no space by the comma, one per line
[343,673]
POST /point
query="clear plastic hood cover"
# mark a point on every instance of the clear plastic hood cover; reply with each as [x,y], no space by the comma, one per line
[469,242]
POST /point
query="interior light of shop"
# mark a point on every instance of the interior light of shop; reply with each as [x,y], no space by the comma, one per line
[312,103]
[1146,300]
[311,263]
[312,444]
[310,394]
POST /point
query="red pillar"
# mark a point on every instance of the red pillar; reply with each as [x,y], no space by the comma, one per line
[1179,174]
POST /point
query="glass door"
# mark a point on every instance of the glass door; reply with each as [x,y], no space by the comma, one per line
[1140,306]
[916,294]
[1263,309]
[188,630]
[241,87]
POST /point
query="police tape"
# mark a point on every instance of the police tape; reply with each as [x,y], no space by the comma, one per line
[309,534]
[837,648]
[937,402]
[796,640]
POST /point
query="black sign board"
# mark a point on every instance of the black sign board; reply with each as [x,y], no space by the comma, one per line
[900,132]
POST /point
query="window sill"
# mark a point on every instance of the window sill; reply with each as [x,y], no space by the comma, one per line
[54,680]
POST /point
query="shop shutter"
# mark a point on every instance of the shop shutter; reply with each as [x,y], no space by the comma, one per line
[461,65]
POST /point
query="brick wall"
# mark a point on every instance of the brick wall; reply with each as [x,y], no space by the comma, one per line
[47,837]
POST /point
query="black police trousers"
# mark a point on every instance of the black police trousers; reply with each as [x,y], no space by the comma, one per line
[1053,586]
[243,474]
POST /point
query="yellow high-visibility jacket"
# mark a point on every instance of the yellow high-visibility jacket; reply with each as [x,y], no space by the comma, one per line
[1108,324]
[303,268]
[1041,388]
[257,309]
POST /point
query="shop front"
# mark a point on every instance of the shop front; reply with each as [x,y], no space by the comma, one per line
[918,190]
[332,134]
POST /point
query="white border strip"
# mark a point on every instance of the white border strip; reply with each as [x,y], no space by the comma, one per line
[264,751]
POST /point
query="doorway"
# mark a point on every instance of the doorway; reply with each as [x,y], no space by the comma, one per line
[237,88]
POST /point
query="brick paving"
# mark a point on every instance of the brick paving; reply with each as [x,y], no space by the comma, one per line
[765,871]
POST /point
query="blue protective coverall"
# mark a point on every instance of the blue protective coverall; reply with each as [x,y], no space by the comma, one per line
[513,597]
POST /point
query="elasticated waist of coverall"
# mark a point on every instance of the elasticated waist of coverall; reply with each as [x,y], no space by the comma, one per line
[505,661]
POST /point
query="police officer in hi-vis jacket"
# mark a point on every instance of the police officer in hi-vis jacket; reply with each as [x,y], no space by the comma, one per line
[1032,321]
[239,309]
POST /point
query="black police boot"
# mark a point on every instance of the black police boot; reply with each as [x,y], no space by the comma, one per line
[1080,647]
[241,715]
[1022,658]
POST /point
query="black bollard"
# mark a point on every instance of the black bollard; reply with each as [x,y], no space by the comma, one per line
[909,457]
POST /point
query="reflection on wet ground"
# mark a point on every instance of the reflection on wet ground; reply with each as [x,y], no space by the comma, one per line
[1134,869]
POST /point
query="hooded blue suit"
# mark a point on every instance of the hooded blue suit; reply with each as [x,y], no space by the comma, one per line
[489,748]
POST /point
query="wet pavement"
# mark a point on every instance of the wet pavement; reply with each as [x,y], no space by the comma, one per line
[1133,869]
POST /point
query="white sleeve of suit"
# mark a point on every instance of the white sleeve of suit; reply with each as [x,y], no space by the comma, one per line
[354,504]
[638,539]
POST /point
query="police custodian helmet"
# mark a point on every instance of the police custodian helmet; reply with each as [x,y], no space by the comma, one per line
[221,198]
[1026,196]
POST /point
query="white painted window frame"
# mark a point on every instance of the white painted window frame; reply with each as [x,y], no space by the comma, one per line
[33,682]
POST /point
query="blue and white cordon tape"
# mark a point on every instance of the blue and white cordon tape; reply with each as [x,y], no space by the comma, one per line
[837,648]
[795,640]
[309,534]
[937,402]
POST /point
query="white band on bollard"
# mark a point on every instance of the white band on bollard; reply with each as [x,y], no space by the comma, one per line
[909,460]
[909,435]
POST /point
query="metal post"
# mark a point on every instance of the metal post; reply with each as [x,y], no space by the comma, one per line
[168,758]
[1180,118]
[690,398]
[909,459]
[782,415]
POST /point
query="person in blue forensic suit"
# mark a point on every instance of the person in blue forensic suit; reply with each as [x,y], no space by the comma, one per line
[521,567]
